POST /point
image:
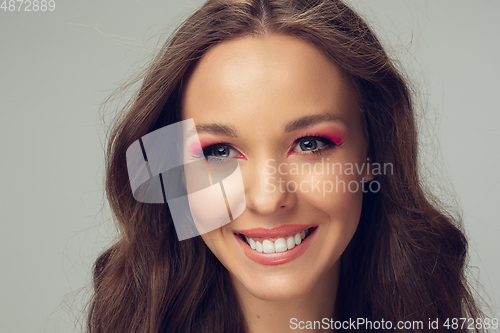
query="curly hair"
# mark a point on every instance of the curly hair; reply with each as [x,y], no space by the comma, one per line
[407,258]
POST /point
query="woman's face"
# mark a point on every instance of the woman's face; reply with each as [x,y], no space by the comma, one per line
[290,117]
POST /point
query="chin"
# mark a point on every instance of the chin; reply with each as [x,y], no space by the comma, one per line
[288,282]
[276,288]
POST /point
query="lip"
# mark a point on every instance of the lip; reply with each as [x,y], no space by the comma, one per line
[277,258]
[281,231]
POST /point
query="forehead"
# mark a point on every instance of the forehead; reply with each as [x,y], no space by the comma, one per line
[273,77]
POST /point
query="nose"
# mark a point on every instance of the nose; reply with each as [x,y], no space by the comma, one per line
[266,189]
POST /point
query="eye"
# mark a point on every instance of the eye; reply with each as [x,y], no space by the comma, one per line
[221,151]
[311,144]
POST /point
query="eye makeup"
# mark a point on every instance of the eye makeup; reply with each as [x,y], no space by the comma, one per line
[330,137]
[208,144]
[333,136]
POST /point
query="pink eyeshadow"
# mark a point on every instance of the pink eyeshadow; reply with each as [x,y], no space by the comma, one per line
[197,149]
[334,134]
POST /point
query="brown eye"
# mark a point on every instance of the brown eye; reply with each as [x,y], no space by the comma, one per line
[311,144]
[221,152]
[308,144]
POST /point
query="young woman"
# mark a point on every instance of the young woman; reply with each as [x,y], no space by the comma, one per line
[284,87]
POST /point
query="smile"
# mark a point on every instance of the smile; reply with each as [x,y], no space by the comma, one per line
[275,246]
[279,245]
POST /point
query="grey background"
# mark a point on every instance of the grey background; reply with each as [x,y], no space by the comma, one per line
[56,68]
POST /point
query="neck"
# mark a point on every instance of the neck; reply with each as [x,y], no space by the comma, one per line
[264,316]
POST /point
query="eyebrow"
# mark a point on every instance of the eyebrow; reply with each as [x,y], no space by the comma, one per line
[217,129]
[310,120]
[303,122]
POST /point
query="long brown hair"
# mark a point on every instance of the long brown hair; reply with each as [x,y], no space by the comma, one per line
[407,258]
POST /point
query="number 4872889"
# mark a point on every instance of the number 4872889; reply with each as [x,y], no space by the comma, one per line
[471,323]
[28,5]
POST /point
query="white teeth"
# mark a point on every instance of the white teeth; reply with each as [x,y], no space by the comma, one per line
[298,240]
[268,246]
[252,243]
[279,245]
[258,246]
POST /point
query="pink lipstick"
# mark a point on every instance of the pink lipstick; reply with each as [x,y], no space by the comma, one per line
[276,246]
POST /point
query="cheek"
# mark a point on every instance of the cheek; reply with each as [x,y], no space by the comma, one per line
[337,210]
[338,197]
[329,189]
[213,242]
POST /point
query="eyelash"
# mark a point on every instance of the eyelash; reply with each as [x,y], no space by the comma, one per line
[214,146]
[328,144]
